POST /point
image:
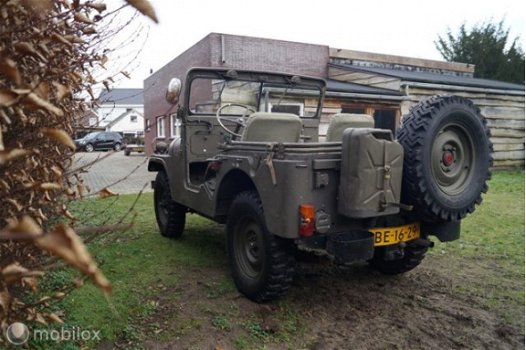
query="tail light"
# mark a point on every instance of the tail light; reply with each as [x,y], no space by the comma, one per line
[306,228]
[214,165]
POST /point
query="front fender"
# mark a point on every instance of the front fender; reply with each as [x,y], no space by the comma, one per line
[156,164]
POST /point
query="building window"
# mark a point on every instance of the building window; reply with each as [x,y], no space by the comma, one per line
[385,119]
[293,108]
[175,130]
[133,118]
[160,127]
[147,124]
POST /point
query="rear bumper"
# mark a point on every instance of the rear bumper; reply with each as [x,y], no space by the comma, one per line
[343,248]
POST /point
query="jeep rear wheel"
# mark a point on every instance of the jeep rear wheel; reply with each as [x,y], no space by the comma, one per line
[413,254]
[170,215]
[447,158]
[262,264]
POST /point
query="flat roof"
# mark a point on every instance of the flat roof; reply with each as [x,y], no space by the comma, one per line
[426,77]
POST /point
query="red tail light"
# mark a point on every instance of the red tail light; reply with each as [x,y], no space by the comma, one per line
[306,228]
[214,165]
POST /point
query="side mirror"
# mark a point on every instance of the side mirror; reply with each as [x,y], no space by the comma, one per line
[173,91]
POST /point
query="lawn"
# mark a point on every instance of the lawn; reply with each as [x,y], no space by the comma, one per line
[168,292]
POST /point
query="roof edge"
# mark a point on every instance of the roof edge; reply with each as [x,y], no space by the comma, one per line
[403,60]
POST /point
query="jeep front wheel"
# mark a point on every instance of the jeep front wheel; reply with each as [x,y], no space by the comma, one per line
[262,264]
[170,215]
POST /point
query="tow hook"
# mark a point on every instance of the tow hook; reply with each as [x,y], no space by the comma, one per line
[424,243]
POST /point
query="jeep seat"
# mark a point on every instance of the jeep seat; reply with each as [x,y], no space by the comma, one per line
[342,121]
[272,127]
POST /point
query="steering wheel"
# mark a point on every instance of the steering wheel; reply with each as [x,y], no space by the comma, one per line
[240,121]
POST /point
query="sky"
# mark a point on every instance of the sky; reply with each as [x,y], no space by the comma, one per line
[397,27]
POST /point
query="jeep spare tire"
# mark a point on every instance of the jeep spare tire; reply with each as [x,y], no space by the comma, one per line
[447,157]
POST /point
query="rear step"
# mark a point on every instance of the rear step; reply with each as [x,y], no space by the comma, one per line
[350,246]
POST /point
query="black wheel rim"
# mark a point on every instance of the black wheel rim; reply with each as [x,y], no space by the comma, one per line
[163,202]
[453,160]
[248,247]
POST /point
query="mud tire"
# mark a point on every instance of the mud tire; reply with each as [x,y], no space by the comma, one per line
[447,158]
[262,264]
[170,215]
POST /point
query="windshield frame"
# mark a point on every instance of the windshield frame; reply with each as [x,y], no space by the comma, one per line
[266,80]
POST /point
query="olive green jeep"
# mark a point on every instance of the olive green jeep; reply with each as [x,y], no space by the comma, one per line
[250,156]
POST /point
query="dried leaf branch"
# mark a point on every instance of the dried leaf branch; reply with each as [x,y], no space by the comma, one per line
[51,54]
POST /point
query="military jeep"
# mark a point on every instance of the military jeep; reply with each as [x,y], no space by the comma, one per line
[250,156]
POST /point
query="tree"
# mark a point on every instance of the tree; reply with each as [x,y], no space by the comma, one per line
[488,47]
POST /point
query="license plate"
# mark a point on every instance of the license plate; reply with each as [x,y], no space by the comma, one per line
[393,235]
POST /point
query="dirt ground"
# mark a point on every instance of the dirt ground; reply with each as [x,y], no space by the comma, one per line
[341,308]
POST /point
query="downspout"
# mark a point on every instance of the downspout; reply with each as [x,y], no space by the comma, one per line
[223,55]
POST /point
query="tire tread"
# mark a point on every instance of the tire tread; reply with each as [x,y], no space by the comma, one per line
[412,136]
[281,257]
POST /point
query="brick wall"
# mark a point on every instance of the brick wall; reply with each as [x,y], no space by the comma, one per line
[269,55]
[155,104]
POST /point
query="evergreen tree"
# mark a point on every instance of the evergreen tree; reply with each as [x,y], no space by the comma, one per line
[488,47]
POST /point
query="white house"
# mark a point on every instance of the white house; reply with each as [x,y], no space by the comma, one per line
[122,110]
[130,122]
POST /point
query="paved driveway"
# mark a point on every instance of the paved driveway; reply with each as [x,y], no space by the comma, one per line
[132,170]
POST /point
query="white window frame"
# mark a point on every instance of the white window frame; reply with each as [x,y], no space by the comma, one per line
[160,127]
[175,126]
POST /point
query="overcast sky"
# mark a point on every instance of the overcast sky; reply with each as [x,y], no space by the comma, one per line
[398,27]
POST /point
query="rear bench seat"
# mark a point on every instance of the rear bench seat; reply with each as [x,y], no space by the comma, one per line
[342,121]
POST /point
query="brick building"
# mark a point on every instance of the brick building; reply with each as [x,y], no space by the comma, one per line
[383,86]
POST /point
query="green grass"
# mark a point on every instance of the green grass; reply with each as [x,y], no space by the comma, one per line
[138,262]
[496,229]
[492,245]
[142,265]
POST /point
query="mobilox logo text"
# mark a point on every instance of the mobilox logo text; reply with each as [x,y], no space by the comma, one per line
[18,334]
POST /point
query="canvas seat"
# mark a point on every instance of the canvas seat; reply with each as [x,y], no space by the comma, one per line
[272,127]
[342,121]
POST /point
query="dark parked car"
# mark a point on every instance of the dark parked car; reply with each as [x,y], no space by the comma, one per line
[99,141]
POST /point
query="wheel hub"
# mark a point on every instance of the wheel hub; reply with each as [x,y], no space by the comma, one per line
[448,158]
[453,156]
[252,249]
[249,248]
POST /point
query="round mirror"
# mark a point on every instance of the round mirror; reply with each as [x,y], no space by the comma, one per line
[173,91]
